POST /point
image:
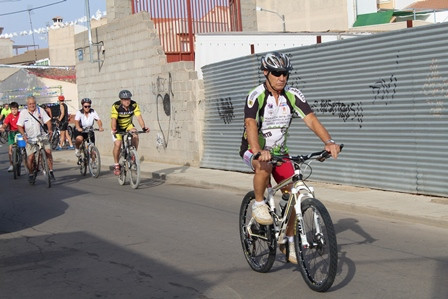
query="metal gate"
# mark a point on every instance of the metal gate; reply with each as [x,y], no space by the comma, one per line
[178,21]
[384,96]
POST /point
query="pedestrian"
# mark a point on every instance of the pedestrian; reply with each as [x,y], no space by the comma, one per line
[63,125]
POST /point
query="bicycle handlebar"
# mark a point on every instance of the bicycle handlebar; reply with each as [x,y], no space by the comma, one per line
[87,130]
[129,132]
[320,156]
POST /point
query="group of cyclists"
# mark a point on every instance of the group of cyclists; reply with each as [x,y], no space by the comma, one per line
[34,121]
[268,112]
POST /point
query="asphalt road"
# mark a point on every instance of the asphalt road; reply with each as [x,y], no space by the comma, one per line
[91,238]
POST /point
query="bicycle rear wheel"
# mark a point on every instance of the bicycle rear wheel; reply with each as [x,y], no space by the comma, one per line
[15,161]
[44,167]
[94,161]
[318,263]
[84,162]
[258,241]
[134,168]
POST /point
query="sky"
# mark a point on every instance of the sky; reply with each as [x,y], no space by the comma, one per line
[42,12]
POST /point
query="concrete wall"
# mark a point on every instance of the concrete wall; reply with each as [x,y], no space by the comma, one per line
[248,15]
[169,95]
[6,48]
[61,42]
[316,15]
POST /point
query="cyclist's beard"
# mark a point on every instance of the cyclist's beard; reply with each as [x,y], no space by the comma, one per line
[279,91]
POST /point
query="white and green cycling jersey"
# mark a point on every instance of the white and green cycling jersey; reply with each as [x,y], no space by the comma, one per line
[273,118]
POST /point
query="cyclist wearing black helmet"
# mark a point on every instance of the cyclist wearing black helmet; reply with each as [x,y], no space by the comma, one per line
[84,118]
[267,116]
[121,120]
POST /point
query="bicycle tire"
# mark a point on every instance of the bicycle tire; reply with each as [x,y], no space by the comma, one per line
[134,168]
[44,167]
[55,140]
[84,162]
[3,137]
[318,263]
[259,252]
[15,162]
[70,132]
[122,175]
[23,162]
[94,161]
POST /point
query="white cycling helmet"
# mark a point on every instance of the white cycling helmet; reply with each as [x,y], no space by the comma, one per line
[276,62]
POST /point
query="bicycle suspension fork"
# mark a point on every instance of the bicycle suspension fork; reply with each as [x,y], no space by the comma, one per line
[300,192]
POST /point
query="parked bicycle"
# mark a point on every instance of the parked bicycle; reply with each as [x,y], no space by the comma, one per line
[129,160]
[19,156]
[40,160]
[314,236]
[89,154]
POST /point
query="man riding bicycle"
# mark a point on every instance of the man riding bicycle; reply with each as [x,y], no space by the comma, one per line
[121,120]
[85,118]
[31,125]
[267,116]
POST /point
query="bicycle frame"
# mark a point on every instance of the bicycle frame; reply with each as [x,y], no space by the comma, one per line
[87,141]
[298,192]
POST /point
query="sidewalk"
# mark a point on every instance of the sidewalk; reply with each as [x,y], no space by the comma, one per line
[400,206]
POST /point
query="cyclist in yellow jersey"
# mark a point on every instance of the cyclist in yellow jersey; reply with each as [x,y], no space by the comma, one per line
[122,113]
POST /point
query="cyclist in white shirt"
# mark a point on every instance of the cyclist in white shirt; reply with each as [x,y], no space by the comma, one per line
[84,118]
[31,125]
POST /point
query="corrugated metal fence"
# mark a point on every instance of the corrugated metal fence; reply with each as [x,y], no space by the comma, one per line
[384,96]
[178,21]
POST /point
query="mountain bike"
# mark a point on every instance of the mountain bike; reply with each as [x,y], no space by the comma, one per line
[40,159]
[129,160]
[89,155]
[314,236]
[18,159]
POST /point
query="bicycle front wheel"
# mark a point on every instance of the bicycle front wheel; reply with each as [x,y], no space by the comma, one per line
[122,175]
[3,137]
[44,167]
[258,241]
[23,162]
[15,161]
[94,161]
[134,168]
[319,261]
[55,140]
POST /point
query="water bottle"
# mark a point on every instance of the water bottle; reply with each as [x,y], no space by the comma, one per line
[20,141]
[283,202]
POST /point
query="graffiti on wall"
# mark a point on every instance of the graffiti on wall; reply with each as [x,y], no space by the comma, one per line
[225,109]
[435,89]
[162,88]
[346,112]
[384,89]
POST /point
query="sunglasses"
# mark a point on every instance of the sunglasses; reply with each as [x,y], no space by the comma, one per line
[278,74]
[87,106]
